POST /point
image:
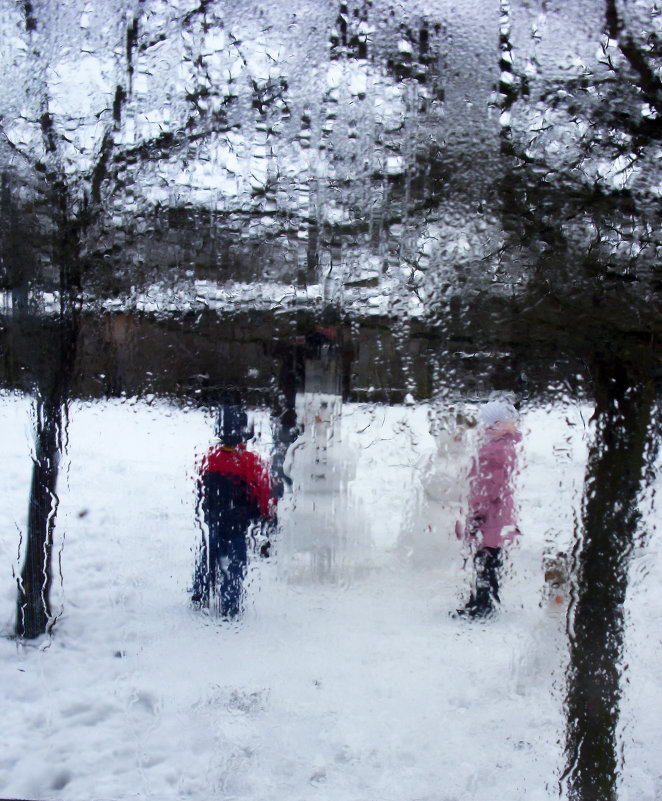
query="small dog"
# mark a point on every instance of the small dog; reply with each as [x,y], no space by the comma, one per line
[556,590]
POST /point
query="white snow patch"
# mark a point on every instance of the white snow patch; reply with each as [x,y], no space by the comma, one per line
[359,686]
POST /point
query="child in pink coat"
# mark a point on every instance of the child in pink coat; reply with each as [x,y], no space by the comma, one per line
[491,519]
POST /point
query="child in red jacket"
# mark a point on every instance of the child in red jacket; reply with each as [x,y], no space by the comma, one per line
[236,493]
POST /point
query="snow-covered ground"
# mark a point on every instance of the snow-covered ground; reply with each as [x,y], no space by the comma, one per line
[354,683]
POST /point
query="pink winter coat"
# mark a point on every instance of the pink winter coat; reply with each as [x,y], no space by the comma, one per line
[491,517]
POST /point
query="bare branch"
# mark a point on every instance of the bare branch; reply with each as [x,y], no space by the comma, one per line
[649,83]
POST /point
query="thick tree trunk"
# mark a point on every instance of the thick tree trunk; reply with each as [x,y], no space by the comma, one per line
[616,467]
[33,617]
[33,613]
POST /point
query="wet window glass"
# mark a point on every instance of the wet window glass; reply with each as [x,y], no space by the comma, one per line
[330,399]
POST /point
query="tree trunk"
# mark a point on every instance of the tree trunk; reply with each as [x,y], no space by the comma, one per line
[610,515]
[33,613]
[33,617]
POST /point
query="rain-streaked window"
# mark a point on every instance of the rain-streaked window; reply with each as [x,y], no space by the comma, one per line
[330,391]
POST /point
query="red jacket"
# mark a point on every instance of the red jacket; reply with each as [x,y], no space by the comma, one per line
[246,469]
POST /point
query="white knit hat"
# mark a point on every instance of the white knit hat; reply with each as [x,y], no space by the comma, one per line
[497,411]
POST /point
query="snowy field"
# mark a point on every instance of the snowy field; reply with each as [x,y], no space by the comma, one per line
[349,684]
